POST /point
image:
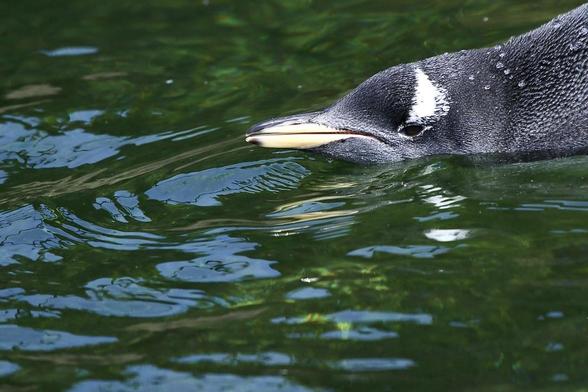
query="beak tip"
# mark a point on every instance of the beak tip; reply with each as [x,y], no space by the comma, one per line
[252,140]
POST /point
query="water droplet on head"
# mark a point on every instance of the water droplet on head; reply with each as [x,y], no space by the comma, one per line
[501,55]
[556,24]
[522,84]
[507,71]
[499,65]
[471,77]
[487,87]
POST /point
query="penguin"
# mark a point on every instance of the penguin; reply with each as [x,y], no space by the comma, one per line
[528,95]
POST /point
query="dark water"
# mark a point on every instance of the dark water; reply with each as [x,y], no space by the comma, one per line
[145,246]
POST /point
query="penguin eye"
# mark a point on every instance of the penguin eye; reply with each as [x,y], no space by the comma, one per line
[412,130]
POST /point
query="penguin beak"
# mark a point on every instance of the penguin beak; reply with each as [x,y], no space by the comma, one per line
[289,133]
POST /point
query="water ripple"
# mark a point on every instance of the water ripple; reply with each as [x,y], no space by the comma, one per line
[418,251]
[265,359]
[29,233]
[24,143]
[124,297]
[358,317]
[148,377]
[365,334]
[308,293]
[229,268]
[203,188]
[8,368]
[70,51]
[562,205]
[29,339]
[23,233]
[447,235]
[374,364]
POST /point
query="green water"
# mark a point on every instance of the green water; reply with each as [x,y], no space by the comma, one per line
[145,246]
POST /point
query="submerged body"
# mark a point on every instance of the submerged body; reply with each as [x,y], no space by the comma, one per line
[528,95]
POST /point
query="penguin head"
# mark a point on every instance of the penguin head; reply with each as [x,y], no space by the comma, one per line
[400,113]
[526,97]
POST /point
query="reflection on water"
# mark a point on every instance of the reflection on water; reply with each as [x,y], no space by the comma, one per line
[147,377]
[413,250]
[28,339]
[145,246]
[22,141]
[226,268]
[308,293]
[203,188]
[122,297]
[266,359]
[359,317]
[447,235]
[374,364]
[23,233]
[129,203]
[70,51]
[360,334]
[7,368]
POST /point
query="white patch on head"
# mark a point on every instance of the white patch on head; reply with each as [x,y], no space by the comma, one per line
[430,102]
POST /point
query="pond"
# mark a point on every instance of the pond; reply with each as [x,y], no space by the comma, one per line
[146,246]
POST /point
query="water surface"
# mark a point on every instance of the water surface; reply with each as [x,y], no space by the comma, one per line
[145,246]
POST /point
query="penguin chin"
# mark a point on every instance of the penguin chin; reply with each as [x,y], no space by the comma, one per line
[359,150]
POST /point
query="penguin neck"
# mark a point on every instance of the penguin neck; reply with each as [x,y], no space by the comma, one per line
[527,94]
[545,80]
